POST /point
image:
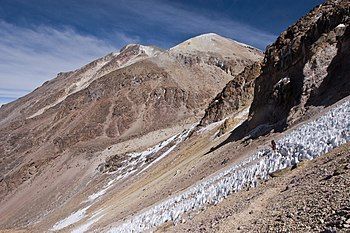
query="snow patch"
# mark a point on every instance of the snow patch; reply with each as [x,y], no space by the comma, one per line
[205,42]
[100,193]
[150,51]
[341,26]
[133,165]
[71,219]
[91,221]
[180,138]
[244,45]
[137,160]
[211,126]
[241,116]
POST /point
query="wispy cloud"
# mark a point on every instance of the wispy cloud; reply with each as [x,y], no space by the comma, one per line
[177,19]
[12,93]
[31,56]
[6,100]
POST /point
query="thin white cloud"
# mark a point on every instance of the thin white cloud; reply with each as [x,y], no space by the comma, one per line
[178,19]
[12,93]
[31,56]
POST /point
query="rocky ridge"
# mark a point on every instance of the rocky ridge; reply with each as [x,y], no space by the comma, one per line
[306,67]
[236,95]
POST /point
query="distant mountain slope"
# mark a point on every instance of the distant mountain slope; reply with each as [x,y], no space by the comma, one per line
[72,119]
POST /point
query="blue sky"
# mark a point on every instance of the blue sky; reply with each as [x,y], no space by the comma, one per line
[40,38]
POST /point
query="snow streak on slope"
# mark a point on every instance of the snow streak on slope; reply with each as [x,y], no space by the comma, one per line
[136,162]
[84,227]
[306,142]
[71,219]
[138,159]
[100,193]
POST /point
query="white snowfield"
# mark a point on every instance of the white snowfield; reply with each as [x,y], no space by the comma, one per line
[306,142]
[73,218]
[213,43]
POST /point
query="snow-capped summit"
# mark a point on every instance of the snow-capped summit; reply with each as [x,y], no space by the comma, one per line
[213,43]
[202,42]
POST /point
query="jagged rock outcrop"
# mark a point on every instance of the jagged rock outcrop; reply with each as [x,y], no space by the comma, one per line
[236,95]
[307,66]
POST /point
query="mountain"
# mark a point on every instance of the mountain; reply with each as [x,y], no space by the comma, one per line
[56,136]
[305,70]
[208,136]
[303,76]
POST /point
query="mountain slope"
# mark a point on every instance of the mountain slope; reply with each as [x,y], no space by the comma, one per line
[132,151]
[234,165]
[236,95]
[305,70]
[60,135]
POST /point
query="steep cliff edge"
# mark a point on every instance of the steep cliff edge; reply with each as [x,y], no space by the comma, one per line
[307,66]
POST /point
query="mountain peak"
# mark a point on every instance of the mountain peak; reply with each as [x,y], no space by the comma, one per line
[148,50]
[213,43]
[208,35]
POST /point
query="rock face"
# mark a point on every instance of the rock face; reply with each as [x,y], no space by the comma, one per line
[121,96]
[236,95]
[307,66]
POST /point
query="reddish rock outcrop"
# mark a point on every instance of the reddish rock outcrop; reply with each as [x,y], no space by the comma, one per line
[237,94]
[307,66]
